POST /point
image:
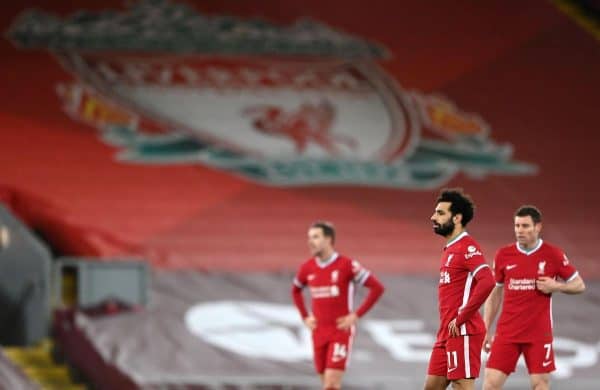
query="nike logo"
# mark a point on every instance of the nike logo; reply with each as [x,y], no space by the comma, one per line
[546,364]
[452,369]
[511,266]
[310,277]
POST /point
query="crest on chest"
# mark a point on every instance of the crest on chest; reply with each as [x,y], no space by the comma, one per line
[334,276]
[449,259]
[541,267]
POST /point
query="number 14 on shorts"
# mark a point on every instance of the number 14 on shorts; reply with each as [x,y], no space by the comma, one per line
[339,352]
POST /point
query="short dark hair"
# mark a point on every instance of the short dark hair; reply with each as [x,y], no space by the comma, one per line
[529,210]
[327,228]
[460,203]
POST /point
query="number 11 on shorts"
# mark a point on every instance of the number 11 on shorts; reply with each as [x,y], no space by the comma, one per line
[452,360]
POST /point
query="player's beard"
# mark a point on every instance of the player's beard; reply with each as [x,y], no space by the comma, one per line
[445,229]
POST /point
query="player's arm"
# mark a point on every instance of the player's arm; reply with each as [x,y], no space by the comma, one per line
[490,311]
[492,306]
[494,301]
[484,283]
[483,287]
[297,287]
[572,282]
[376,290]
[573,285]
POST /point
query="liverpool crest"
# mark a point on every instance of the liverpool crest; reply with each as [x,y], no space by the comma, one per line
[299,105]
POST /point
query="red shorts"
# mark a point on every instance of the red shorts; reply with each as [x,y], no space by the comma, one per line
[539,356]
[458,358]
[332,349]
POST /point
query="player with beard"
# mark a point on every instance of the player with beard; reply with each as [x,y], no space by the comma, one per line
[330,278]
[465,282]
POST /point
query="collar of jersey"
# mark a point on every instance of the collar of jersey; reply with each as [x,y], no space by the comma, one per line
[325,263]
[456,239]
[538,246]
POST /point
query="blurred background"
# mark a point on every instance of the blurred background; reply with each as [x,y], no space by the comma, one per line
[161,161]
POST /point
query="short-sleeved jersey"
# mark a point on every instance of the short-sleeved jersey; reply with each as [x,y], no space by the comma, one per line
[331,286]
[461,260]
[526,312]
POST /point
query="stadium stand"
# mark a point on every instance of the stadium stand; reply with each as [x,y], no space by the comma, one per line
[207,149]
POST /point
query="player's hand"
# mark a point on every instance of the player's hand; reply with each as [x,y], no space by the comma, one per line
[487,343]
[547,285]
[310,321]
[453,329]
[346,322]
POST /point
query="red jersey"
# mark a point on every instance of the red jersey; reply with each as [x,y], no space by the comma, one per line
[461,260]
[331,286]
[526,312]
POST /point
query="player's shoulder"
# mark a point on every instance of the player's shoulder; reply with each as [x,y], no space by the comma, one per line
[343,258]
[344,261]
[505,253]
[349,263]
[551,247]
[308,263]
[468,244]
[552,250]
[507,249]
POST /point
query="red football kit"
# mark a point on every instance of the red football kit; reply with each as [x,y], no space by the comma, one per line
[465,282]
[331,285]
[525,323]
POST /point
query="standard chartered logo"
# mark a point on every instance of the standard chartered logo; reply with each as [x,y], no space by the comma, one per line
[521,284]
[274,331]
